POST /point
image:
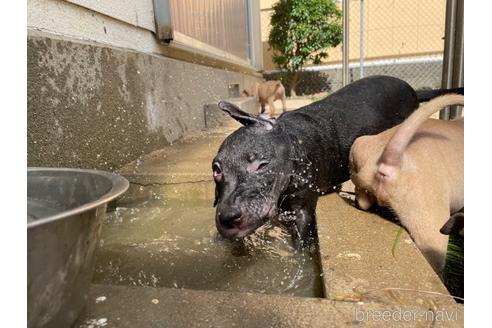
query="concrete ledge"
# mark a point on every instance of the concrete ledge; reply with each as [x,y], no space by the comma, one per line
[355,251]
[165,307]
[187,161]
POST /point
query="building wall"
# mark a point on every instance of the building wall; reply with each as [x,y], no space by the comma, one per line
[134,12]
[111,22]
[392,29]
[102,90]
[219,23]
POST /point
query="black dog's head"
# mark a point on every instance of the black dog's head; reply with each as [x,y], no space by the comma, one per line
[251,171]
[455,225]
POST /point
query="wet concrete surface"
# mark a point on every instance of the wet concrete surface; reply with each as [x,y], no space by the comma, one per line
[357,268]
[187,161]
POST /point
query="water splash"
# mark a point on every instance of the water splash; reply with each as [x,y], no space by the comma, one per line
[168,239]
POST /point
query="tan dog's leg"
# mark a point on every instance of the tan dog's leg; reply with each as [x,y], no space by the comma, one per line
[270,104]
[260,108]
[284,104]
[423,221]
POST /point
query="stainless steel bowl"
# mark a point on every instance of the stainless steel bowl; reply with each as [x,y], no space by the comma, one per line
[65,209]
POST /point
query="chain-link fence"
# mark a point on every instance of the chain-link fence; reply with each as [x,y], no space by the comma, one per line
[401,38]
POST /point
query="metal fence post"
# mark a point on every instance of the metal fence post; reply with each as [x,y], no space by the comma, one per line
[385,52]
[361,39]
[452,70]
[458,63]
[345,43]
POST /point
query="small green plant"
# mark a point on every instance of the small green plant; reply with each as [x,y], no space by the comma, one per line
[302,31]
[395,241]
[454,269]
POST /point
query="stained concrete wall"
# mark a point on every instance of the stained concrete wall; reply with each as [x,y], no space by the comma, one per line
[96,106]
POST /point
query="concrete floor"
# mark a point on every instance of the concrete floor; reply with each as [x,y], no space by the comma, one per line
[360,275]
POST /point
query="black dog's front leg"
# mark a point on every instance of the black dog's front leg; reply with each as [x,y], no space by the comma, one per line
[304,226]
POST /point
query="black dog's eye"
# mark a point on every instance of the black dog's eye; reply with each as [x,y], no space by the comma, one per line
[262,165]
[256,165]
[217,171]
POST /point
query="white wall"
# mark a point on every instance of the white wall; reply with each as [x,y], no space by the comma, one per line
[135,12]
[123,30]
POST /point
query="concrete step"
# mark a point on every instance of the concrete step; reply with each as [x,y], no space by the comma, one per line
[356,258]
[190,160]
[120,306]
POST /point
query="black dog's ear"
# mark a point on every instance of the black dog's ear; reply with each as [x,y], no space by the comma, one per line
[237,114]
[243,117]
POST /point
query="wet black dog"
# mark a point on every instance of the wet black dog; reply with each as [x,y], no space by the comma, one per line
[455,225]
[271,166]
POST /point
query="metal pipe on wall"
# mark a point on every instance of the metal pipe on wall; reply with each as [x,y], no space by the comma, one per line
[449,51]
[345,43]
[163,21]
[249,22]
[458,63]
[361,39]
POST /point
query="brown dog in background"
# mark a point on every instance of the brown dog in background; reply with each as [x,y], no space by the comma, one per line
[416,169]
[267,92]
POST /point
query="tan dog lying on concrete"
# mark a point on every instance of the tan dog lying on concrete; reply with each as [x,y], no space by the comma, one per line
[416,169]
[267,92]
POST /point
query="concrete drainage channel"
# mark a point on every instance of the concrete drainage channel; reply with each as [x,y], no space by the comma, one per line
[168,239]
[161,263]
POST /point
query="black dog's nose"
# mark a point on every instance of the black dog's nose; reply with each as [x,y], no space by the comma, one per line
[230,218]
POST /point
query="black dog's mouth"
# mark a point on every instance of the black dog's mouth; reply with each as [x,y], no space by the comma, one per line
[232,233]
[243,225]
